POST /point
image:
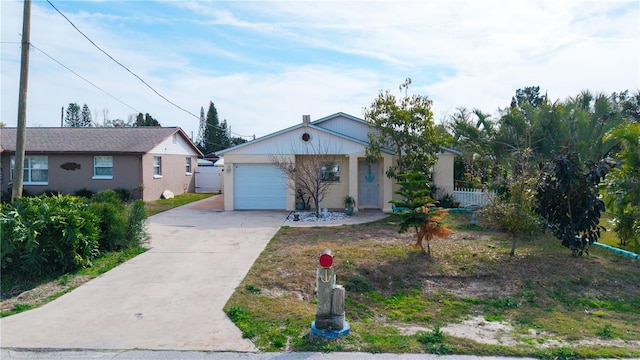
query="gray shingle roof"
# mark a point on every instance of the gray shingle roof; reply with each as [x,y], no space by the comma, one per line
[88,140]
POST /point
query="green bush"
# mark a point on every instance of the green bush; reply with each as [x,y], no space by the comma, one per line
[112,223]
[123,194]
[121,226]
[47,235]
[50,235]
[448,201]
[137,223]
[107,196]
[85,193]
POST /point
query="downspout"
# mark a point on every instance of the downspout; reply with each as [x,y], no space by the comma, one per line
[140,177]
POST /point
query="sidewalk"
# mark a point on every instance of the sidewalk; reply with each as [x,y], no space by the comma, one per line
[199,355]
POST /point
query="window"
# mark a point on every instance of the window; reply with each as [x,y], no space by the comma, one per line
[36,170]
[157,167]
[187,165]
[103,167]
[331,172]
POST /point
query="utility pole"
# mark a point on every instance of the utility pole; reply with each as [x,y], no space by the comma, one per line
[18,176]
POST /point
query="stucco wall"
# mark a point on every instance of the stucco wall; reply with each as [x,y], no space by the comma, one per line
[126,174]
[174,177]
[337,190]
[443,174]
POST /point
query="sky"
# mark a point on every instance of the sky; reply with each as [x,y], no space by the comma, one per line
[264,64]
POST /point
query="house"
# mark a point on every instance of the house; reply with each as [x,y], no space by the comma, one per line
[251,181]
[144,160]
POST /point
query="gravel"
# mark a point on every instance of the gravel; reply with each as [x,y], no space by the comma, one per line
[305,216]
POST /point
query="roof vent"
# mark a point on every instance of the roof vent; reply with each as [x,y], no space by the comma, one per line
[306,119]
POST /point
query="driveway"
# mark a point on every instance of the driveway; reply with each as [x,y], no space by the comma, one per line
[170,297]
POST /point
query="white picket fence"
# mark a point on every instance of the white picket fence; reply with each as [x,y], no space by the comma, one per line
[473,197]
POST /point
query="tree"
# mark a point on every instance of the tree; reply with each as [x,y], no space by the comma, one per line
[117,123]
[236,141]
[146,120]
[589,118]
[514,210]
[405,127]
[222,135]
[215,135]
[202,126]
[475,140]
[309,174]
[630,105]
[85,117]
[567,196]
[621,191]
[72,117]
[417,210]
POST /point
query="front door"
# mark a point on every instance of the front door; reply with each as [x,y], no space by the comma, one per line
[368,184]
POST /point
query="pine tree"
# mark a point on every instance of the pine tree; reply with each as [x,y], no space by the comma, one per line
[146,120]
[223,135]
[212,139]
[72,117]
[200,142]
[85,117]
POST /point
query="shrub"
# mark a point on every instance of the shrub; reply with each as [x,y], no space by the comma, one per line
[448,201]
[112,223]
[85,193]
[107,196]
[121,226]
[123,194]
[47,235]
[50,235]
[47,192]
[137,223]
[513,212]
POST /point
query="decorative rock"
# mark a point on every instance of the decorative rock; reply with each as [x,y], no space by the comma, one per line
[311,216]
[168,194]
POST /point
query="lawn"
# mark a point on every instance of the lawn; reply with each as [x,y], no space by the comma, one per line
[158,206]
[469,297]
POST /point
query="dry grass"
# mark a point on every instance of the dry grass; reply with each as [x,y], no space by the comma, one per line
[540,299]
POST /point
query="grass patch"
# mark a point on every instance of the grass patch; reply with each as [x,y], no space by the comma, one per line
[158,206]
[392,288]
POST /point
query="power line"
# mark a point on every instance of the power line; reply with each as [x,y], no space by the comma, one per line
[121,65]
[128,70]
[86,80]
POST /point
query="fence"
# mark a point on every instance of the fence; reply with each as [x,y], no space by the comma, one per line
[473,197]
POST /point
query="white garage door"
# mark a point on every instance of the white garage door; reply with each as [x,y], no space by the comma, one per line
[259,187]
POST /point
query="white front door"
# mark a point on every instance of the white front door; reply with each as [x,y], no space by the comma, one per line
[368,184]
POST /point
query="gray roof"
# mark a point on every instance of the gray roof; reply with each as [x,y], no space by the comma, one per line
[133,140]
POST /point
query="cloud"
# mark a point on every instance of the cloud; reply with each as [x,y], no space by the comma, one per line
[265,64]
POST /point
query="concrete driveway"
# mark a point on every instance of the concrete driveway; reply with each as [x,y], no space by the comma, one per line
[170,297]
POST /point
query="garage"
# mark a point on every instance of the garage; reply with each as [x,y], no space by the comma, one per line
[259,187]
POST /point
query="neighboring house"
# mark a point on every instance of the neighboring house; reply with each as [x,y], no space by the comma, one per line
[252,182]
[144,160]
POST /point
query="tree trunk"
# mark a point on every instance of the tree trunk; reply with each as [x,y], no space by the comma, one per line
[513,246]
